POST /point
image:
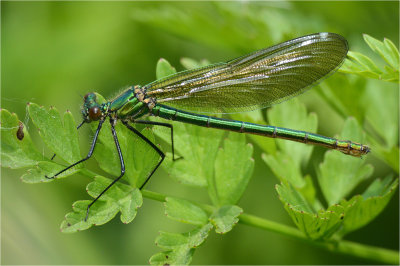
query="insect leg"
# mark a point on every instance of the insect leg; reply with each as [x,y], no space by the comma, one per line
[87,156]
[121,159]
[145,122]
[162,155]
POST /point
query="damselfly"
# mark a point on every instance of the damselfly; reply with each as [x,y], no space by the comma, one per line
[260,79]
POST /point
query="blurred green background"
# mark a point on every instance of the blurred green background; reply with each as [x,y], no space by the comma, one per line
[54,52]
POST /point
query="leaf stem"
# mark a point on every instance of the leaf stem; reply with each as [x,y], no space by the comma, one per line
[381,255]
[354,249]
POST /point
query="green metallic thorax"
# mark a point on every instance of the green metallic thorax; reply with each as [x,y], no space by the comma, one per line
[127,105]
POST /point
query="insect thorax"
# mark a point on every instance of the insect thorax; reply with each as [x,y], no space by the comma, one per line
[132,103]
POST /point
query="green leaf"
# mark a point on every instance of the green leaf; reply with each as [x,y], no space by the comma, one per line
[140,159]
[289,195]
[362,209]
[380,187]
[168,240]
[320,225]
[16,153]
[385,121]
[393,53]
[308,191]
[284,167]
[60,136]
[225,218]
[180,256]
[164,69]
[362,65]
[338,218]
[380,48]
[119,198]
[189,63]
[198,146]
[41,169]
[193,238]
[233,170]
[340,174]
[185,211]
[286,163]
[180,247]
[293,115]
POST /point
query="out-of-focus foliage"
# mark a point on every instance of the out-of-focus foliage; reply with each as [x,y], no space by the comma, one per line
[53,52]
[364,66]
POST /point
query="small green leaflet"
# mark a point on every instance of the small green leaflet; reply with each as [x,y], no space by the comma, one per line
[337,178]
[225,218]
[179,247]
[120,198]
[60,136]
[17,153]
[184,211]
[233,169]
[362,65]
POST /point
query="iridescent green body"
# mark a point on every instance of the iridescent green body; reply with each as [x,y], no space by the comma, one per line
[254,81]
[257,80]
[127,106]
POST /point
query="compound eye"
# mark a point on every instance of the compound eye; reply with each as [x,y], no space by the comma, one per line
[94,113]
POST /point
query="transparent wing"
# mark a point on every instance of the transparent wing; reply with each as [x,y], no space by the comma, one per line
[260,79]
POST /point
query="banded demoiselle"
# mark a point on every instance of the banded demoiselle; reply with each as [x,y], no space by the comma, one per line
[257,80]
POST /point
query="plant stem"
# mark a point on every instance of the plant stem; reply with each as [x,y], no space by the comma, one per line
[342,246]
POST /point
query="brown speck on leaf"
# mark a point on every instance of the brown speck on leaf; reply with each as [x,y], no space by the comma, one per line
[20,131]
[68,224]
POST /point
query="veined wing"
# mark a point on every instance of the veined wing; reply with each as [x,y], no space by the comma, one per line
[260,79]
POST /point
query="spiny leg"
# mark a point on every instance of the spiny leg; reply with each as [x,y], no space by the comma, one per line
[96,135]
[83,122]
[121,159]
[162,155]
[145,122]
